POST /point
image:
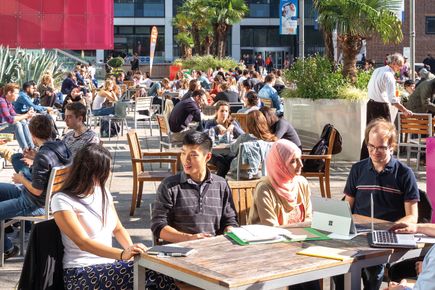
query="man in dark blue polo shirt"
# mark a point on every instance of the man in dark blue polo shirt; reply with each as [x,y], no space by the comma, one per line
[185,112]
[392,183]
[193,204]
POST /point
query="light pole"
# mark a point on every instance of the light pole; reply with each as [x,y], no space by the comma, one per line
[301,29]
[412,36]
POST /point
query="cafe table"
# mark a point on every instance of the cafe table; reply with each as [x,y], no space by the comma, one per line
[219,263]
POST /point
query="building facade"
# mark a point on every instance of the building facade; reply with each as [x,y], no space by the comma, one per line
[424,31]
[257,33]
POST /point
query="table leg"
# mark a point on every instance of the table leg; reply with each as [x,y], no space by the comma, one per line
[352,279]
[139,275]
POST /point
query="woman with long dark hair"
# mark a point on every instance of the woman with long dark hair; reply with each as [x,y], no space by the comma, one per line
[87,219]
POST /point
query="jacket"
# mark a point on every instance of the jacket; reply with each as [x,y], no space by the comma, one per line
[43,268]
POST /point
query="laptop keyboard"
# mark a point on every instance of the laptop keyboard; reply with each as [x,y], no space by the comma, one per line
[384,237]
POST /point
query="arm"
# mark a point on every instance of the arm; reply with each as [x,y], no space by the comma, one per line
[170,234]
[411,213]
[19,178]
[411,228]
[229,216]
[402,109]
[28,102]
[111,96]
[265,202]
[306,194]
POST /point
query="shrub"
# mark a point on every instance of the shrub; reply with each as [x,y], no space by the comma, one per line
[116,62]
[205,62]
[316,78]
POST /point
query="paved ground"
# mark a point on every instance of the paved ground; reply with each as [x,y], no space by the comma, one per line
[121,186]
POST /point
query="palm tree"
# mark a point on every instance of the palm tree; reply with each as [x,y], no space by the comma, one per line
[225,13]
[356,20]
[184,36]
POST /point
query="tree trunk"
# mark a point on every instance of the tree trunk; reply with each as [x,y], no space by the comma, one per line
[208,41]
[222,33]
[329,45]
[351,45]
[196,40]
[214,47]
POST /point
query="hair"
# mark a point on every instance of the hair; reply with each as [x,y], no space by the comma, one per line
[395,58]
[78,109]
[165,81]
[408,83]
[10,87]
[107,83]
[70,75]
[252,98]
[184,84]
[224,86]
[219,104]
[245,72]
[196,93]
[257,125]
[386,128]
[47,79]
[27,85]
[270,116]
[41,126]
[269,78]
[198,138]
[247,83]
[192,84]
[91,165]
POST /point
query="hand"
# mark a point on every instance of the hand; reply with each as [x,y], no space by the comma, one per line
[29,153]
[407,113]
[49,109]
[133,250]
[27,161]
[3,141]
[397,286]
[221,129]
[228,229]
[404,228]
[200,236]
[18,178]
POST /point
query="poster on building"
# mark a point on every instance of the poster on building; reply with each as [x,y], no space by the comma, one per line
[153,42]
[288,22]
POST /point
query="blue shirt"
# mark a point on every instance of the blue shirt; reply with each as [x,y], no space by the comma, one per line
[24,103]
[391,188]
[269,92]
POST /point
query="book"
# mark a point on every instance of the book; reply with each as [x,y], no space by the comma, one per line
[260,234]
[328,253]
[172,251]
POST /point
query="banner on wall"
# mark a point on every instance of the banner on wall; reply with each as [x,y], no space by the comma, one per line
[288,21]
[153,42]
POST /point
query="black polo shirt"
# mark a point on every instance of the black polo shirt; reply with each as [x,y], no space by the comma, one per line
[391,188]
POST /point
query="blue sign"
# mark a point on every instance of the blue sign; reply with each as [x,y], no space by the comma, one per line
[288,21]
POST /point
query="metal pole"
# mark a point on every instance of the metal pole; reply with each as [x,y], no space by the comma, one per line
[412,36]
[301,29]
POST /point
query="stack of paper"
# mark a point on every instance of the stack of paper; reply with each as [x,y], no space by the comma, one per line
[328,253]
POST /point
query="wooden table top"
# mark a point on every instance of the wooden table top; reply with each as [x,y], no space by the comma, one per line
[219,260]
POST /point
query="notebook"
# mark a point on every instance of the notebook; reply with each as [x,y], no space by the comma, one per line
[170,251]
[328,253]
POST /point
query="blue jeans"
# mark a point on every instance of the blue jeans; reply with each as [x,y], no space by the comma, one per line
[20,166]
[371,276]
[22,134]
[15,202]
[104,111]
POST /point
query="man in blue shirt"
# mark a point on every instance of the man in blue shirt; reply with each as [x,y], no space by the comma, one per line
[392,184]
[25,100]
[269,92]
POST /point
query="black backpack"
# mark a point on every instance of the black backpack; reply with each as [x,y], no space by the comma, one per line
[321,148]
[104,128]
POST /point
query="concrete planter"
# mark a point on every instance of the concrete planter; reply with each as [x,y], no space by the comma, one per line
[309,116]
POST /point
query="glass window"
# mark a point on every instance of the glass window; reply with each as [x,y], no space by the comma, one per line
[263,36]
[430,24]
[125,30]
[142,29]
[150,8]
[175,5]
[124,8]
[258,8]
[246,37]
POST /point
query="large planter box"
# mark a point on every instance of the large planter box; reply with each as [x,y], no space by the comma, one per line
[309,116]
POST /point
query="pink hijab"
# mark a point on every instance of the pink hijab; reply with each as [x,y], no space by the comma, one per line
[278,164]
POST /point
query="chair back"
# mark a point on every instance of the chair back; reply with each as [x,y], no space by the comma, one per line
[57,178]
[135,151]
[242,119]
[129,83]
[235,106]
[243,193]
[267,102]
[163,125]
[143,103]
[418,124]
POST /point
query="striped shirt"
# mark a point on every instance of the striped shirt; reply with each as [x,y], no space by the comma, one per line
[193,208]
[7,112]
[391,188]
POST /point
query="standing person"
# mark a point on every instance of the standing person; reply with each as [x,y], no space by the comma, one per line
[382,93]
[87,219]
[269,63]
[134,62]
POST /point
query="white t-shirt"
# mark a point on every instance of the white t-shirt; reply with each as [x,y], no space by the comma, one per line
[86,210]
[98,102]
[382,86]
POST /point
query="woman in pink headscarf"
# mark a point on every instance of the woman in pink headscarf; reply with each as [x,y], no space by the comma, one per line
[283,196]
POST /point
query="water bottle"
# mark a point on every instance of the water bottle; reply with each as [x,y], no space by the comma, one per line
[212,135]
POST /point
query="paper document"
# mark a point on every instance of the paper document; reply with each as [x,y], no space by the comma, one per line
[261,233]
[328,253]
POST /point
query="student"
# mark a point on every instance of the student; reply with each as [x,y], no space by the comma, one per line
[87,219]
[194,204]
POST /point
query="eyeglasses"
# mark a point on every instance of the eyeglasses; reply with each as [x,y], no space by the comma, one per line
[379,148]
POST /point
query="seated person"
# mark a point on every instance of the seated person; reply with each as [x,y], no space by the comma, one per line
[106,93]
[283,196]
[269,92]
[156,91]
[421,100]
[193,86]
[281,127]
[223,125]
[87,219]
[392,184]
[28,197]
[25,100]
[258,131]
[425,272]
[76,95]
[226,94]
[251,103]
[49,96]
[186,112]
[195,203]
[69,83]
[17,123]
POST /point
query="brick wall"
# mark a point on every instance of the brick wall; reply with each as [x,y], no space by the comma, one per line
[424,43]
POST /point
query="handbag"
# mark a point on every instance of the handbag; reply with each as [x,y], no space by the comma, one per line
[121,109]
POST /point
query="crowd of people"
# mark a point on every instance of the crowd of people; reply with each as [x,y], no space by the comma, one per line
[195,203]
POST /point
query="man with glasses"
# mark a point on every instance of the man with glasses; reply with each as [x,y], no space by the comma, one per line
[382,93]
[392,184]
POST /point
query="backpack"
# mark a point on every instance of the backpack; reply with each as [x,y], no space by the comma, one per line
[321,148]
[104,128]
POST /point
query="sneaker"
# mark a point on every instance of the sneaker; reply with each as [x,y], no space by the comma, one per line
[12,252]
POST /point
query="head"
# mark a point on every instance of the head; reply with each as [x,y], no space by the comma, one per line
[195,153]
[200,97]
[247,85]
[257,125]
[224,86]
[222,112]
[270,116]
[41,128]
[270,79]
[194,85]
[395,61]
[381,140]
[409,86]
[284,160]
[75,115]
[75,93]
[423,73]
[251,99]
[165,83]
[11,92]
[47,80]
[28,88]
[108,84]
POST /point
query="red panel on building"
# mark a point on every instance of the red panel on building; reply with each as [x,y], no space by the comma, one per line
[63,24]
